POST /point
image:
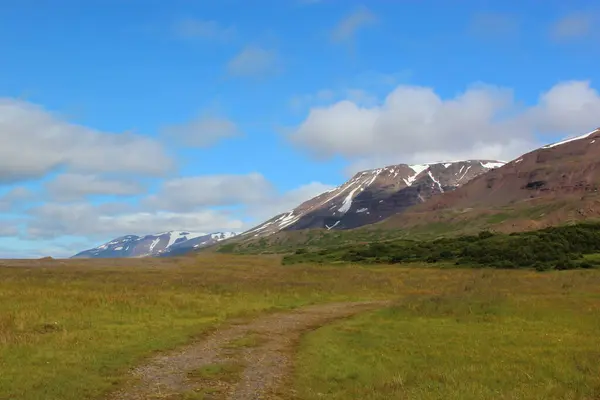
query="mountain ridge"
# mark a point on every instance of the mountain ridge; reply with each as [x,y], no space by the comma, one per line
[561,178]
[161,244]
[373,195]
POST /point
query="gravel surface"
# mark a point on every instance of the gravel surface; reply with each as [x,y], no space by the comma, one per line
[262,349]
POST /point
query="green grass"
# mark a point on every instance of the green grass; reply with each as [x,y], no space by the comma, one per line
[497,335]
[72,331]
[226,372]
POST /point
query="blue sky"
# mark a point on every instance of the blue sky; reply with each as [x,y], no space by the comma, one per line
[122,117]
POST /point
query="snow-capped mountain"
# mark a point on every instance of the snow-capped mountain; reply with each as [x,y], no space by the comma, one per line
[551,185]
[160,244]
[373,195]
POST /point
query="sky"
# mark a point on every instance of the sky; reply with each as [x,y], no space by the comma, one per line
[142,116]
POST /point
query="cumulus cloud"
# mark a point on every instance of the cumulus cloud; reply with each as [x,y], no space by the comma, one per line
[72,186]
[190,193]
[35,142]
[575,25]
[203,131]
[414,124]
[204,29]
[348,27]
[271,206]
[253,61]
[53,220]
[183,204]
[567,108]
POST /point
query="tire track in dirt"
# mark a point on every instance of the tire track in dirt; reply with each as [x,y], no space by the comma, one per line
[244,360]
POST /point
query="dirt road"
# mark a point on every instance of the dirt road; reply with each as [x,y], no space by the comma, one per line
[244,360]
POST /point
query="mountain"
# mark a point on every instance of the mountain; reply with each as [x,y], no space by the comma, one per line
[161,244]
[554,184]
[373,195]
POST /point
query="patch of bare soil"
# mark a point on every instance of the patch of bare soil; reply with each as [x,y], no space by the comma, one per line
[244,360]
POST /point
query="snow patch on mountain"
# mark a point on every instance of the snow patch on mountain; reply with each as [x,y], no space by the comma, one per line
[465,173]
[375,194]
[417,168]
[491,165]
[154,245]
[548,146]
[348,202]
[436,181]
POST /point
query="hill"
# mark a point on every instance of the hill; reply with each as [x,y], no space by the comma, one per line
[160,244]
[549,186]
[373,195]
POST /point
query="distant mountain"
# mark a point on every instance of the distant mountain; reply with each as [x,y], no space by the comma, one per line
[554,184]
[161,244]
[374,195]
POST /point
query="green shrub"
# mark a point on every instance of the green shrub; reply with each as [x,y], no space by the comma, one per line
[558,248]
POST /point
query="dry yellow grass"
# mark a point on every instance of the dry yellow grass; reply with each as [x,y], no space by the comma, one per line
[72,329]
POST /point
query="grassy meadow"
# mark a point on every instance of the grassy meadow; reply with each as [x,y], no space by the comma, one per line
[494,334]
[72,329]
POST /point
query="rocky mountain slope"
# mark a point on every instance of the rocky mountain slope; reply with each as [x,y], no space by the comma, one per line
[161,244]
[373,195]
[561,180]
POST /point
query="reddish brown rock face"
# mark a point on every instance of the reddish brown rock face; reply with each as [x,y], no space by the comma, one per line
[562,178]
[568,167]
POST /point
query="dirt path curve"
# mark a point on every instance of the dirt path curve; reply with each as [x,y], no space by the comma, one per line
[244,360]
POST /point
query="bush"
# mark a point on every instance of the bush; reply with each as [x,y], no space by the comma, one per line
[559,248]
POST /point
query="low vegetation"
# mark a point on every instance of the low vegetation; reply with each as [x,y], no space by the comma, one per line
[227,372]
[564,247]
[493,334]
[70,330]
[73,329]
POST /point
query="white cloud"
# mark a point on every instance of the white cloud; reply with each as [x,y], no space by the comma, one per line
[253,61]
[72,186]
[53,220]
[205,29]
[414,124]
[191,193]
[35,142]
[180,205]
[575,25]
[203,131]
[567,108]
[348,27]
[274,205]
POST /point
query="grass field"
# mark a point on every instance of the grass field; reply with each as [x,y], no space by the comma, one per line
[71,330]
[495,335]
